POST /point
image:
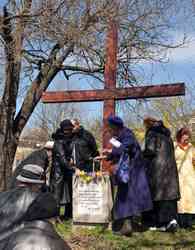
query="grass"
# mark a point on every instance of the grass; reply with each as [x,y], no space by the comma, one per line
[98,238]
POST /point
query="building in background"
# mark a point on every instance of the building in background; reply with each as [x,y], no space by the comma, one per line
[31,140]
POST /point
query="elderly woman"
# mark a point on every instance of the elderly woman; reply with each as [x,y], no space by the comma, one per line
[133,195]
[184,154]
[162,176]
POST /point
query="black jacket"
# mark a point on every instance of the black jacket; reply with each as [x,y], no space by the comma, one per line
[35,235]
[19,209]
[61,170]
[38,157]
[85,148]
[160,163]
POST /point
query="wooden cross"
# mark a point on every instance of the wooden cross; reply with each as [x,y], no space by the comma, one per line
[110,93]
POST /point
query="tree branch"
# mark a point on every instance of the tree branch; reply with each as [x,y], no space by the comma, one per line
[82,69]
[47,73]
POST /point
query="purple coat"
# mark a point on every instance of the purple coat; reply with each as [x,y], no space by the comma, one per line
[134,197]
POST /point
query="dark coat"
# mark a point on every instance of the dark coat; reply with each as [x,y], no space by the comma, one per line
[36,235]
[61,172]
[19,209]
[38,157]
[134,197]
[21,204]
[160,164]
[84,149]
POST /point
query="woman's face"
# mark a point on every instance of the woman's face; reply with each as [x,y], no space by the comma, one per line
[185,139]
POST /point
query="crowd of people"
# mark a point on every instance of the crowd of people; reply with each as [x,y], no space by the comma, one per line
[158,185]
[32,204]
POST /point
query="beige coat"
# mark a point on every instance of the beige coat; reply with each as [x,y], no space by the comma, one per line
[186,172]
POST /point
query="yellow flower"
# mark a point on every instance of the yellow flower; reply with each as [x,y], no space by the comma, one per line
[82,173]
[88,178]
[98,173]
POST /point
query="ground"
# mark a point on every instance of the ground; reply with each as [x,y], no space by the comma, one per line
[98,238]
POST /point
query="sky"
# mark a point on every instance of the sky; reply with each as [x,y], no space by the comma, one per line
[179,68]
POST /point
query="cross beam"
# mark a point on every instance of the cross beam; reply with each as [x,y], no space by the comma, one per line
[164,90]
[110,93]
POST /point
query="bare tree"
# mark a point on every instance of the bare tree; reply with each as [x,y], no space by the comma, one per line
[48,117]
[175,112]
[40,38]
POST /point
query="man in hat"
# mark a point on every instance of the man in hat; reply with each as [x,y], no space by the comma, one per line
[41,157]
[25,213]
[61,172]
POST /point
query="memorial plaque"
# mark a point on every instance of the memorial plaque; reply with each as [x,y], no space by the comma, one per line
[90,198]
[92,201]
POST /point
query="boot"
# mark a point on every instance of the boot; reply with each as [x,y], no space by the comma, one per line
[117,225]
[123,227]
[126,228]
[172,226]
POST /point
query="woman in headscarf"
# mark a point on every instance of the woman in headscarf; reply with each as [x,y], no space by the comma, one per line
[184,154]
[162,176]
[133,197]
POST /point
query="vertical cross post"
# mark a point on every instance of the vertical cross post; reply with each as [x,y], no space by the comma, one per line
[110,78]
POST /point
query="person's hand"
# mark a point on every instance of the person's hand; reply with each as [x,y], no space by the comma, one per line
[99,158]
[106,151]
[114,168]
[77,171]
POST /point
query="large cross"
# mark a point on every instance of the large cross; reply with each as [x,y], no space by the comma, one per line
[111,93]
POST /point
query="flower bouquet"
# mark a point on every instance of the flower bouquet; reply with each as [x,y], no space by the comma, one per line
[89,176]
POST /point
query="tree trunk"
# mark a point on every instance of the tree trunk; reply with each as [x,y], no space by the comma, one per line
[8,149]
[8,146]
[13,38]
[12,124]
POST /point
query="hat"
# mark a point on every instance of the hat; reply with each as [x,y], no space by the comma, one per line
[66,124]
[31,173]
[49,145]
[115,120]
